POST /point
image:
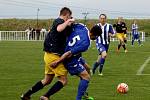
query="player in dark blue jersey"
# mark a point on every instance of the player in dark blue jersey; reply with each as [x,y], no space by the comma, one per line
[102,42]
[135,33]
[77,43]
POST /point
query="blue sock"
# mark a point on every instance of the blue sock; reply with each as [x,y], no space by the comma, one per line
[83,85]
[139,41]
[132,42]
[102,61]
[96,64]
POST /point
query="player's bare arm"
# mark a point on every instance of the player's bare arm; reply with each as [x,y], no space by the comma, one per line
[61,59]
[61,27]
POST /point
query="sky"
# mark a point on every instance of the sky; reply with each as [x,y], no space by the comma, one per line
[50,8]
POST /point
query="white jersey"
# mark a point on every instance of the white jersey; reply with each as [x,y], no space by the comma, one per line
[105,37]
[134,29]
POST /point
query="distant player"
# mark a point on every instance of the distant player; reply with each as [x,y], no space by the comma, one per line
[135,33]
[77,43]
[121,33]
[102,42]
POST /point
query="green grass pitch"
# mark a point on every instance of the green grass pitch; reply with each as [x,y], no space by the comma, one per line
[21,65]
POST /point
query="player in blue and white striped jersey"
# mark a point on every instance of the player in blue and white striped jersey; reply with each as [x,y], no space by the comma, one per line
[135,33]
[102,42]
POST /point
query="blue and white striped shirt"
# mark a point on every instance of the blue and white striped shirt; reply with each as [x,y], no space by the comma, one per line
[134,29]
[105,37]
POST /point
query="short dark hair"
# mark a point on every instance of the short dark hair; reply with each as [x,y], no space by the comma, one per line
[65,10]
[102,15]
[95,31]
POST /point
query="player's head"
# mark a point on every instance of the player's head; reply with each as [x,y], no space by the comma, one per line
[120,19]
[134,21]
[95,32]
[102,18]
[66,13]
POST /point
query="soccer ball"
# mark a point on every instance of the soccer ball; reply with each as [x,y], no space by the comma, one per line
[122,88]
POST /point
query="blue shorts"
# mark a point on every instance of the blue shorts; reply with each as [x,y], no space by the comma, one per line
[101,47]
[75,66]
[135,36]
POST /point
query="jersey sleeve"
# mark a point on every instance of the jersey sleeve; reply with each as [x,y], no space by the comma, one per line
[57,22]
[111,29]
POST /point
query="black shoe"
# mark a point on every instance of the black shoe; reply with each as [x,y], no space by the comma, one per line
[93,71]
[23,97]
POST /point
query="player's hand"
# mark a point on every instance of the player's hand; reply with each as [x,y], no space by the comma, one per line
[123,28]
[70,21]
[54,64]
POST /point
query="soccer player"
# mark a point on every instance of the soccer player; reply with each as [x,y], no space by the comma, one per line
[54,47]
[135,33]
[102,42]
[77,43]
[121,30]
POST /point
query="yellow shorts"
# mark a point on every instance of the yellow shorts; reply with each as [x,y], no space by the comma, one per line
[59,70]
[121,36]
[125,36]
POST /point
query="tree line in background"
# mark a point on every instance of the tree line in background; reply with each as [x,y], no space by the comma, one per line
[22,24]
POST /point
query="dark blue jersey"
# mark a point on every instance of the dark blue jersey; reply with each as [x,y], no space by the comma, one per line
[79,40]
[77,43]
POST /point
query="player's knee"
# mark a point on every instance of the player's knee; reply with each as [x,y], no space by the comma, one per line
[122,42]
[63,80]
[85,75]
[45,82]
[104,55]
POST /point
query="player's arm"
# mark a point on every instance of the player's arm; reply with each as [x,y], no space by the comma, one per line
[62,26]
[61,59]
[114,25]
[111,31]
[125,27]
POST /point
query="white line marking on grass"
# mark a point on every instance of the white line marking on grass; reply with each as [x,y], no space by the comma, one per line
[143,74]
[139,72]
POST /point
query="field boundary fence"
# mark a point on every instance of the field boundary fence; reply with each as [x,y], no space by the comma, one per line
[34,36]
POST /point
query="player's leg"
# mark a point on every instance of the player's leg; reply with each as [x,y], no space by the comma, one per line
[38,86]
[83,85]
[138,38]
[123,44]
[62,81]
[60,72]
[133,38]
[49,75]
[86,66]
[96,64]
[119,36]
[125,38]
[119,45]
[102,61]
